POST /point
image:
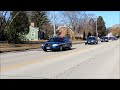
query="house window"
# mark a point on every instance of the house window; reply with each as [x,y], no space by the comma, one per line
[33,34]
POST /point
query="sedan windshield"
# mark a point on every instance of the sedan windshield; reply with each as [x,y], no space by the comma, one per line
[56,40]
[91,38]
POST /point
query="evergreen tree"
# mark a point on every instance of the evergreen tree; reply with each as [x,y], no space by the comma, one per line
[101,27]
[19,27]
[2,28]
[39,18]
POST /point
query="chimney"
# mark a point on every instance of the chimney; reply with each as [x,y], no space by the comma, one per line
[32,24]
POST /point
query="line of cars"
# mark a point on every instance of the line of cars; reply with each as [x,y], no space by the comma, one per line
[94,40]
[64,43]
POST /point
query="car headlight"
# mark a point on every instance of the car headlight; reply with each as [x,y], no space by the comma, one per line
[43,45]
[55,45]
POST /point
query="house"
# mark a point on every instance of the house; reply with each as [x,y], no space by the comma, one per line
[35,34]
[64,30]
[79,36]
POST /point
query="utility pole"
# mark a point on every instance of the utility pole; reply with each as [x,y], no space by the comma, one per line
[54,23]
[96,29]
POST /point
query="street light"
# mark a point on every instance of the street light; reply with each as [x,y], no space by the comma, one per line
[54,23]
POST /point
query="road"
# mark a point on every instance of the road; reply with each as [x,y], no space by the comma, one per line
[100,61]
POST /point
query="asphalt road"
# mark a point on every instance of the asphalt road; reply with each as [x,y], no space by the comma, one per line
[100,61]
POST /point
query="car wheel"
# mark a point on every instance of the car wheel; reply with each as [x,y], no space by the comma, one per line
[61,48]
[70,47]
[45,50]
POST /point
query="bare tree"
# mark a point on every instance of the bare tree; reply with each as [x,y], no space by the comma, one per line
[72,19]
[78,21]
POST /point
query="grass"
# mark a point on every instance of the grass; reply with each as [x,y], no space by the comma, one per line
[17,47]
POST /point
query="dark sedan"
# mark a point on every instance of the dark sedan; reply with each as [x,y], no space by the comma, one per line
[91,40]
[57,43]
[104,39]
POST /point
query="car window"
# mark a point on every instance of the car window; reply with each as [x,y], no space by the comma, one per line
[91,38]
[67,40]
[56,40]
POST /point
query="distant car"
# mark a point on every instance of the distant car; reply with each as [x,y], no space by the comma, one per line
[91,40]
[113,38]
[57,43]
[104,39]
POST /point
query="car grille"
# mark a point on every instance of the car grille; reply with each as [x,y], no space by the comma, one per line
[48,45]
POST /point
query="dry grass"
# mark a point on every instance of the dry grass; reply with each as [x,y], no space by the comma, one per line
[17,47]
[5,47]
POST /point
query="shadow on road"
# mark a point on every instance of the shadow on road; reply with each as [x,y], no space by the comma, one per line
[61,51]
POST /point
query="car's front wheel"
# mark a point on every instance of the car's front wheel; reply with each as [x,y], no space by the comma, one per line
[61,48]
[70,47]
[45,50]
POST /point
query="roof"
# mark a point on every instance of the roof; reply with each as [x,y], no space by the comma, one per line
[34,28]
[64,26]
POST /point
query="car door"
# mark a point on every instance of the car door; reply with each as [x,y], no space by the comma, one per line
[68,43]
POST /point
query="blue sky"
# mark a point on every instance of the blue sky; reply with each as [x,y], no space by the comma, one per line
[110,17]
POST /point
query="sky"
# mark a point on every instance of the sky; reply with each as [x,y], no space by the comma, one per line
[110,17]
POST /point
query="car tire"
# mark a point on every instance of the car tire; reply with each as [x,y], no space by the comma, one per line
[45,50]
[61,48]
[70,47]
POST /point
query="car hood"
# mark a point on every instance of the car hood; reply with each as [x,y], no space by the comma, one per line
[90,40]
[52,42]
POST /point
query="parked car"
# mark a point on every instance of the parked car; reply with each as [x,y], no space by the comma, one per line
[91,40]
[57,43]
[104,39]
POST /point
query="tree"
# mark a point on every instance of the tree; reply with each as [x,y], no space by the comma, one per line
[19,27]
[101,27]
[3,23]
[84,36]
[48,30]
[115,31]
[68,34]
[39,18]
[73,19]
[89,34]
[92,26]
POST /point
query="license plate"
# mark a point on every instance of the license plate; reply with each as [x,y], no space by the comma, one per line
[47,47]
